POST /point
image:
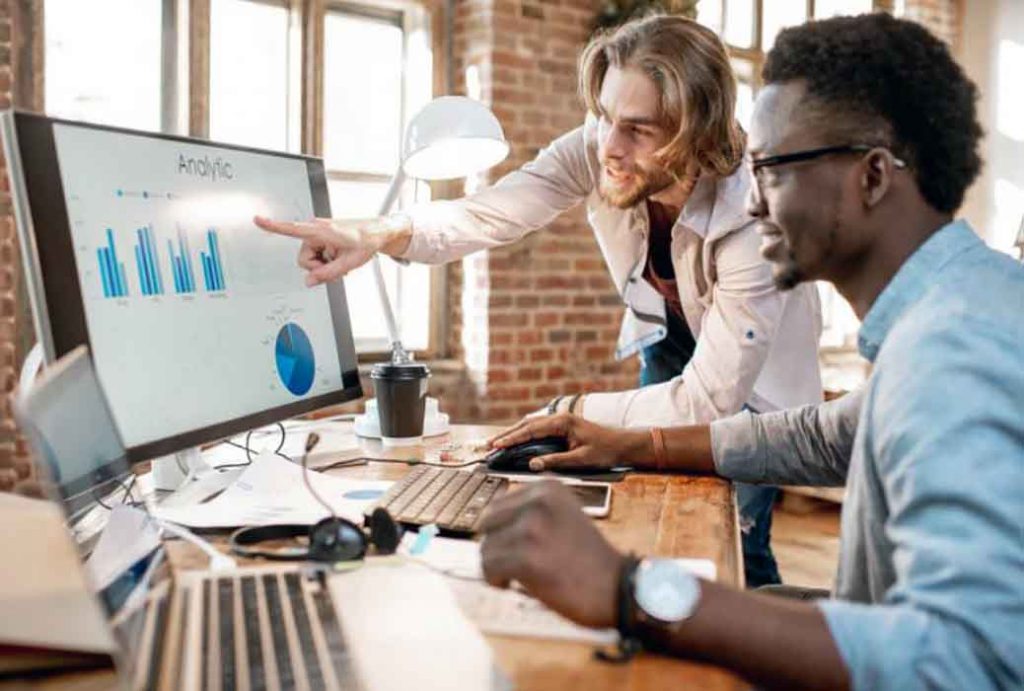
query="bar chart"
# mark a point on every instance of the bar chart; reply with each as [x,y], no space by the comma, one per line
[213,266]
[181,266]
[151,267]
[112,273]
[147,261]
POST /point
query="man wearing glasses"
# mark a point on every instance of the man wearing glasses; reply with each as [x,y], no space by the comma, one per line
[863,143]
[658,165]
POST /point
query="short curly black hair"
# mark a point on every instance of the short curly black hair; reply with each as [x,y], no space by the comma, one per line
[893,78]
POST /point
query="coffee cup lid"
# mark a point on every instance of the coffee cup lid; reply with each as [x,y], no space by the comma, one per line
[391,370]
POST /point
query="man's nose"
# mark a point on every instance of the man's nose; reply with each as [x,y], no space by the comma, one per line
[756,206]
[613,143]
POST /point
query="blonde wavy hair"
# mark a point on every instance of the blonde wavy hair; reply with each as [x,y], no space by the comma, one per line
[691,68]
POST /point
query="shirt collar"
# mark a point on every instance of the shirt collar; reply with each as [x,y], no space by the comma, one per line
[719,203]
[910,283]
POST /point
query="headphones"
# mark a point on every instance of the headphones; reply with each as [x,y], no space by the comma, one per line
[331,540]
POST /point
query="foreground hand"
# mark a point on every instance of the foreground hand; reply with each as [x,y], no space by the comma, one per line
[332,248]
[590,444]
[540,537]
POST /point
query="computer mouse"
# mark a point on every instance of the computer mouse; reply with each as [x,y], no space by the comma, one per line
[516,459]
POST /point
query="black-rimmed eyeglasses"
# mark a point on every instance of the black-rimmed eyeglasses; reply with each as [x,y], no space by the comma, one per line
[757,164]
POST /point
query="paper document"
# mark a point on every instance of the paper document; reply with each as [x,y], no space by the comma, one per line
[271,490]
[458,558]
[511,612]
[129,536]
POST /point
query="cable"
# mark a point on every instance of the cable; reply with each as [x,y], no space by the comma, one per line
[248,448]
[338,464]
[404,461]
[218,561]
[311,441]
[125,498]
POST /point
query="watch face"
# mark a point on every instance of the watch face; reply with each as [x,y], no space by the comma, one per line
[665,590]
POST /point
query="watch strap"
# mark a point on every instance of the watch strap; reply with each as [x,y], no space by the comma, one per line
[625,615]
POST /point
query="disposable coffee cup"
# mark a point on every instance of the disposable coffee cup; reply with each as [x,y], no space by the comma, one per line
[401,401]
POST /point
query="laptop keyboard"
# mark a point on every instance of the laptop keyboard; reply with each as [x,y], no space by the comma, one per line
[276,630]
[454,500]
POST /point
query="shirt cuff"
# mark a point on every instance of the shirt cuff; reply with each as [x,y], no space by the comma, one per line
[420,248]
[735,448]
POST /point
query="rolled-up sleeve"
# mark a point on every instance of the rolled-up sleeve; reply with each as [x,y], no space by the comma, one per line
[523,201]
[948,451]
[810,445]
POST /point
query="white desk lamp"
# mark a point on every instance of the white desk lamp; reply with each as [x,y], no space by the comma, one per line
[451,137]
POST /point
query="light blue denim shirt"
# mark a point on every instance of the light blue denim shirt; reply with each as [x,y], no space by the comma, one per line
[930,587]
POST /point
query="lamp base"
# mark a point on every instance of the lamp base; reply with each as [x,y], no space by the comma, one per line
[435,423]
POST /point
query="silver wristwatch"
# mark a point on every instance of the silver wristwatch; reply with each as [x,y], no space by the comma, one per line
[664,591]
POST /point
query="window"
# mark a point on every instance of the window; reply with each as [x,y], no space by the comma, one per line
[328,78]
[252,89]
[368,96]
[738,23]
[111,76]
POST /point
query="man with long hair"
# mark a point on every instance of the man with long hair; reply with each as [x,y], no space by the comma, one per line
[657,164]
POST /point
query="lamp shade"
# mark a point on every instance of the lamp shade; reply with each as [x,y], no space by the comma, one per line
[452,137]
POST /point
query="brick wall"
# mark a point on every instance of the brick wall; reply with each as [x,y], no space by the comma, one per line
[539,318]
[8,269]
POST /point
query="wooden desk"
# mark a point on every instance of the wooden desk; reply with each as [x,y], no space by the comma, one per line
[650,515]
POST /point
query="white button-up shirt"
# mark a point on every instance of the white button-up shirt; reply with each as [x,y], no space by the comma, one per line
[756,345]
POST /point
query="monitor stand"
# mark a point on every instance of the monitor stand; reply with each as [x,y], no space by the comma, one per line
[189,478]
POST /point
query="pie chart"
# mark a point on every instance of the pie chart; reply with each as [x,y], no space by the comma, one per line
[295,362]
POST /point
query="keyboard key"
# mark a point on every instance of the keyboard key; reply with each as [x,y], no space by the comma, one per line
[253,642]
[302,625]
[276,616]
[226,620]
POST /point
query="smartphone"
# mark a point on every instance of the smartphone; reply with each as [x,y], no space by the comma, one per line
[596,497]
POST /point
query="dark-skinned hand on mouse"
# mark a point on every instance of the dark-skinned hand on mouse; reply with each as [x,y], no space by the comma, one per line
[587,445]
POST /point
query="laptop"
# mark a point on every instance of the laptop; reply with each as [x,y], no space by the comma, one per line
[276,627]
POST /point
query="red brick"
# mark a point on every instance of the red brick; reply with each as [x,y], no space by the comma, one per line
[541,355]
[543,319]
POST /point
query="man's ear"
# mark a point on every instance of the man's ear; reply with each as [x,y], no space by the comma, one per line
[876,177]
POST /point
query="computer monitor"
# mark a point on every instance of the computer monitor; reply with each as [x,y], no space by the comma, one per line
[142,247]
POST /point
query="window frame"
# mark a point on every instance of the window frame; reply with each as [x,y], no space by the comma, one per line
[185,94]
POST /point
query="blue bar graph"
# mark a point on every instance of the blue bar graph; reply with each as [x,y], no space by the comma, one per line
[111,269]
[181,266]
[213,266]
[147,262]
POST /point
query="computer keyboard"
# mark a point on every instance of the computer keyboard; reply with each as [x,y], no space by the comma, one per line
[453,500]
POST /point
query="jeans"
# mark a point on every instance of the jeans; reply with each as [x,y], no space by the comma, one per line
[665,360]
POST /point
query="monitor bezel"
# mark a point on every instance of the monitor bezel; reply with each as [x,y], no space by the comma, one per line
[57,305]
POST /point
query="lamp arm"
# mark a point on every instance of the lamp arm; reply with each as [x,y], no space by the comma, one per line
[398,353]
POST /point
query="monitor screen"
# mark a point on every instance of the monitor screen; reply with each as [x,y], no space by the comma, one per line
[142,246]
